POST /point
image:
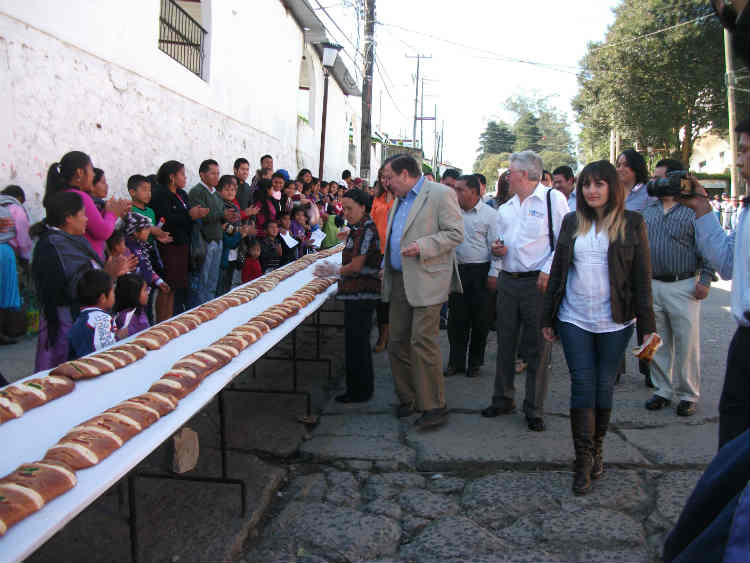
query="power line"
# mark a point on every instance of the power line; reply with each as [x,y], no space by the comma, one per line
[648,35]
[387,91]
[499,56]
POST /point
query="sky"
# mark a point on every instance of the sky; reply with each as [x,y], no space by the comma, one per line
[469,85]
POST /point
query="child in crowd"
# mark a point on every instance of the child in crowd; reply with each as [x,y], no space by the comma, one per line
[338,203]
[271,251]
[234,232]
[139,189]
[94,328]
[300,231]
[99,190]
[116,244]
[137,231]
[287,254]
[131,300]
[252,268]
[329,228]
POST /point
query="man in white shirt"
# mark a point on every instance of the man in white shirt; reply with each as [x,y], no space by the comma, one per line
[564,180]
[528,225]
[468,316]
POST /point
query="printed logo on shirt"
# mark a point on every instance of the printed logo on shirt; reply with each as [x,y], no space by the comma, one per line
[535,213]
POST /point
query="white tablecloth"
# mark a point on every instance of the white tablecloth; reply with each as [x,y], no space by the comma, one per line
[27,439]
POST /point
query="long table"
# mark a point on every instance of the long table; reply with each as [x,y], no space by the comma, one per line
[27,439]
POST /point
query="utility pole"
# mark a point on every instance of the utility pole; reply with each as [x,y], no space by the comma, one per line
[732,109]
[612,153]
[366,132]
[419,57]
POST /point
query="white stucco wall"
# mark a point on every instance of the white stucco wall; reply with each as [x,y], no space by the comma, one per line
[712,150]
[88,75]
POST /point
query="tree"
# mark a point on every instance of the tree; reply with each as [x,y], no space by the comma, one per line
[496,138]
[660,91]
[489,165]
[527,132]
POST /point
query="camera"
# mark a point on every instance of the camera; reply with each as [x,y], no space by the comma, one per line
[674,184]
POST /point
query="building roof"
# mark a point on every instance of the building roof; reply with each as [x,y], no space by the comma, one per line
[315,33]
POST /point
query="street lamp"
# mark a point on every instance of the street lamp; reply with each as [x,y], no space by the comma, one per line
[330,52]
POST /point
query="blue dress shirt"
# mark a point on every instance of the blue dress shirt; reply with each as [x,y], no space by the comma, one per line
[730,256]
[399,220]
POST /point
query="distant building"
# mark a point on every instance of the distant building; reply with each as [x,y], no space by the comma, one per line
[711,154]
[137,83]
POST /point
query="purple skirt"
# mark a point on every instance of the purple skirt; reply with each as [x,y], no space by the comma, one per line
[48,357]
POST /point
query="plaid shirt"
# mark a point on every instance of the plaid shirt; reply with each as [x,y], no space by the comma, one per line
[363,240]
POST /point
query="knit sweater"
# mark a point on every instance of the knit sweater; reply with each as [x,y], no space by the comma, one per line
[211,223]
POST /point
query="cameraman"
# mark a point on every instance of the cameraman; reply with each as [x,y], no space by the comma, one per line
[730,255]
[675,259]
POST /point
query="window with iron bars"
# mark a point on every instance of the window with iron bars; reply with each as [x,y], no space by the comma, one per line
[181,37]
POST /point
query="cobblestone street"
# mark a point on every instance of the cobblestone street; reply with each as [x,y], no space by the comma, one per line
[373,489]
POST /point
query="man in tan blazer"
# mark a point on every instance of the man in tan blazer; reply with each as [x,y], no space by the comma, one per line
[424,228]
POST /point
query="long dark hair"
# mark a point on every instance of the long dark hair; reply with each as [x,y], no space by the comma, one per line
[166,170]
[128,292]
[61,173]
[503,188]
[58,206]
[614,209]
[637,164]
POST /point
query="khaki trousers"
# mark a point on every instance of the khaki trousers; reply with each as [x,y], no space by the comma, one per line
[675,369]
[414,350]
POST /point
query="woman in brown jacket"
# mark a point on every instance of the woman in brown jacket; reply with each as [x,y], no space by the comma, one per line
[599,287]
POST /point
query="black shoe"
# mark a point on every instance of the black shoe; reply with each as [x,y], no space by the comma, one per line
[686,408]
[402,411]
[536,424]
[432,418]
[451,371]
[473,372]
[346,398]
[492,411]
[656,403]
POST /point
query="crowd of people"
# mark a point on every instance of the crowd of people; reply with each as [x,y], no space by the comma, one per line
[103,268]
[587,261]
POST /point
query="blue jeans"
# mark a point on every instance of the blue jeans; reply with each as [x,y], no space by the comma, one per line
[592,360]
[210,272]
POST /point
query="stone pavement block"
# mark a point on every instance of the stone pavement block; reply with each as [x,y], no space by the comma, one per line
[469,440]
[498,500]
[265,423]
[593,527]
[638,555]
[308,488]
[629,410]
[358,424]
[329,448]
[446,485]
[676,444]
[618,489]
[413,524]
[376,488]
[343,489]
[382,401]
[426,504]
[337,533]
[526,531]
[453,539]
[673,490]
[404,480]
[384,507]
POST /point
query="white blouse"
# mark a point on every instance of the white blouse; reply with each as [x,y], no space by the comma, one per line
[586,303]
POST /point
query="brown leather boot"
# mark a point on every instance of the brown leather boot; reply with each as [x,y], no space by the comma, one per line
[602,423]
[582,422]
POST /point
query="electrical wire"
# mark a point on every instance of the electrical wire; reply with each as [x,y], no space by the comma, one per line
[387,91]
[651,34]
